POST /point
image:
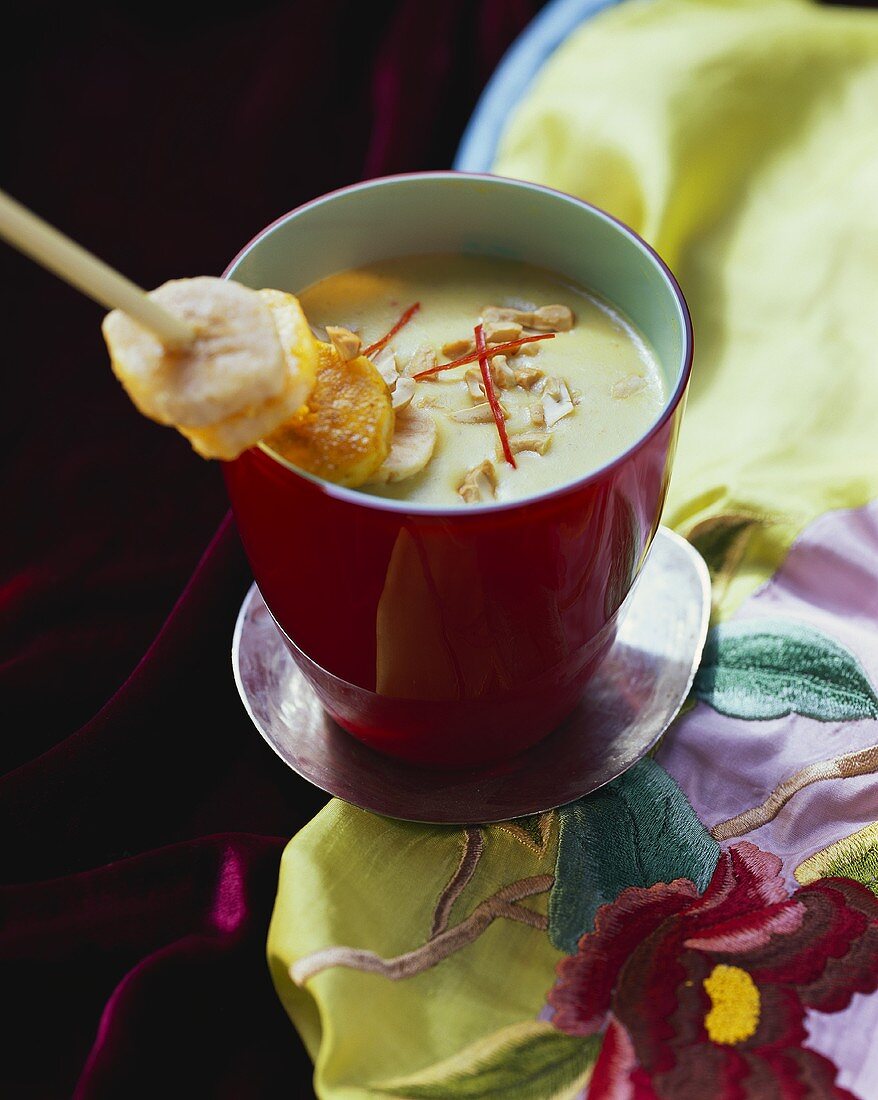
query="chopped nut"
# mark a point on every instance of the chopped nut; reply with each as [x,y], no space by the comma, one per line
[507,313]
[537,414]
[345,342]
[474,384]
[423,359]
[628,386]
[552,386]
[428,401]
[502,373]
[385,364]
[479,484]
[402,393]
[529,441]
[500,332]
[455,348]
[527,376]
[478,414]
[552,319]
[531,349]
[556,408]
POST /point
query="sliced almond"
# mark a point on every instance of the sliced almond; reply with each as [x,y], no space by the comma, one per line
[429,401]
[527,377]
[556,408]
[628,386]
[345,342]
[474,384]
[414,438]
[552,386]
[386,365]
[502,373]
[554,318]
[423,359]
[455,348]
[501,332]
[478,414]
[402,392]
[528,441]
[480,483]
[507,313]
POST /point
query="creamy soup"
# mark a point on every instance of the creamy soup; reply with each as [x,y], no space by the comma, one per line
[571,402]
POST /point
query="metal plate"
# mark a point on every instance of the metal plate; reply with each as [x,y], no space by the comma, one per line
[628,705]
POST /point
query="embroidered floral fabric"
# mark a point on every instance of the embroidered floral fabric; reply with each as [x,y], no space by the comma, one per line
[706,925]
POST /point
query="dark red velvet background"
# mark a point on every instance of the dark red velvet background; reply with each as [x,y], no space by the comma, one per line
[142,824]
[141,816]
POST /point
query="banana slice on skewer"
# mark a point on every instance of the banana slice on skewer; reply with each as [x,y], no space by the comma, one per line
[255,373]
[251,366]
[231,437]
[229,366]
[344,432]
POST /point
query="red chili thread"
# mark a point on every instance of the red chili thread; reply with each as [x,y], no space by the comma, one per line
[471,357]
[404,320]
[492,395]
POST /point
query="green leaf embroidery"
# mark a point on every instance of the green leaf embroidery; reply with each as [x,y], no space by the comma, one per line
[855,856]
[637,831]
[527,1061]
[766,668]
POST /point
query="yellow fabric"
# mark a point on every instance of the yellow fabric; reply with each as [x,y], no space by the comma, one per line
[741,140]
[352,878]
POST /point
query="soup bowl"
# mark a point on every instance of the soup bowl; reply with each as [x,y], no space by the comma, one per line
[458,635]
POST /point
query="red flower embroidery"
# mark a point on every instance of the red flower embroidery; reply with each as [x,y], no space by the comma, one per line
[706,996]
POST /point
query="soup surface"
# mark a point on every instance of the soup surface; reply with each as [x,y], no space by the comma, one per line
[572,402]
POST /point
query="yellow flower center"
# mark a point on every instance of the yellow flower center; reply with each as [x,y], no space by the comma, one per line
[735,1003]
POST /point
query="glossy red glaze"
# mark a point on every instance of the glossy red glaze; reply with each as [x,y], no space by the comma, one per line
[450,638]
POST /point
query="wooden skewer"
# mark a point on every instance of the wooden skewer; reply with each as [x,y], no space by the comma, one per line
[52,249]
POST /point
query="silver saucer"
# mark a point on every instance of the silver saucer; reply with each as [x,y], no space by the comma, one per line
[630,702]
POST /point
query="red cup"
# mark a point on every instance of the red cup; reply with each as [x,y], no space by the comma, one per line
[455,636]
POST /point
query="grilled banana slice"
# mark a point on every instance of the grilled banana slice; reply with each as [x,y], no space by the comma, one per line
[414,440]
[251,366]
[344,432]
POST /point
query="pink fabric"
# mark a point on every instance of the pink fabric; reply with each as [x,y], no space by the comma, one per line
[724,765]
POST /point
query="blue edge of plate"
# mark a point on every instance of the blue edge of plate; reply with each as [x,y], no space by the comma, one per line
[514,75]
